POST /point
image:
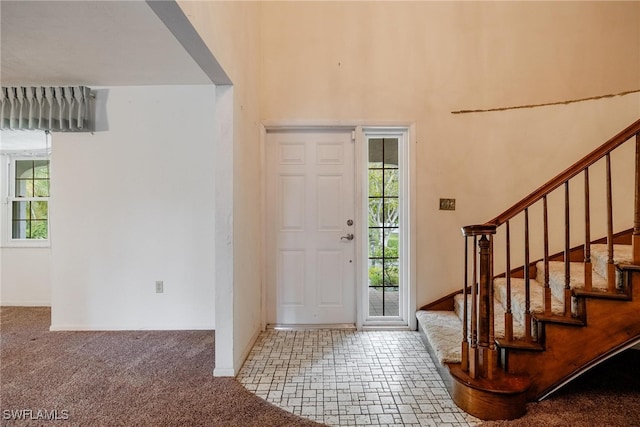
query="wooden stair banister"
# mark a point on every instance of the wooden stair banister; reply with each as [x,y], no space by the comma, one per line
[482,360]
[636,220]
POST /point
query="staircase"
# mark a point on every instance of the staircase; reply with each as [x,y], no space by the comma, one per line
[503,340]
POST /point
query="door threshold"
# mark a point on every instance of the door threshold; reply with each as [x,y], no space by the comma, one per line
[311,327]
[383,327]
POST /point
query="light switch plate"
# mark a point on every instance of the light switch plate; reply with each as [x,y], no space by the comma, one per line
[447,204]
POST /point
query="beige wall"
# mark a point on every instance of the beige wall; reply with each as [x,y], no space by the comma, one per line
[419,61]
[231,31]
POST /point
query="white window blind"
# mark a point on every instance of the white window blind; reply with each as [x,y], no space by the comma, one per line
[64,108]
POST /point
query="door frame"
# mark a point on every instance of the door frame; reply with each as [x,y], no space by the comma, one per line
[407,129]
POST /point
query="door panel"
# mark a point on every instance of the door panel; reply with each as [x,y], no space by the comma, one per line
[310,198]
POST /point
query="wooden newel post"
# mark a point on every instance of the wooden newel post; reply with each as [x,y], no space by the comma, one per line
[636,220]
[481,357]
[483,297]
[484,308]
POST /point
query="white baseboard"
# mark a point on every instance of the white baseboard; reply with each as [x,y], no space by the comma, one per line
[223,372]
[98,328]
[25,303]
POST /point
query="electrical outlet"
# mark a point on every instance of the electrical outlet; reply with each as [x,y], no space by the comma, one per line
[159,286]
[447,204]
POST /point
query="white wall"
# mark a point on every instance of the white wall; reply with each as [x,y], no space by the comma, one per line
[132,205]
[25,277]
[231,31]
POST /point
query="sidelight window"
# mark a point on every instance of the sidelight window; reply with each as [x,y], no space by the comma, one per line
[383,226]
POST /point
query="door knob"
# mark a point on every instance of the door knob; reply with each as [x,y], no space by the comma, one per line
[347,237]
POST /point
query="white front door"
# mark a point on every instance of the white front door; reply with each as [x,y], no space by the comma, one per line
[310,227]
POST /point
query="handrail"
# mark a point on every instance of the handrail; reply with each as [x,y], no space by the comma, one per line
[566,175]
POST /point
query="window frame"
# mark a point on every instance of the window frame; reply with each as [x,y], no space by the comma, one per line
[406,244]
[9,197]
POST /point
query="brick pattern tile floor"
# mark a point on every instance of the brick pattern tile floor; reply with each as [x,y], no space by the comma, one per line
[347,378]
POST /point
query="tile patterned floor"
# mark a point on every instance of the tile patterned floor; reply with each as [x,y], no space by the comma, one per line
[346,378]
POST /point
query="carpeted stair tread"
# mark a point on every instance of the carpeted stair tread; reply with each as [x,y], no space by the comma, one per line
[498,316]
[518,297]
[443,330]
[576,273]
[622,254]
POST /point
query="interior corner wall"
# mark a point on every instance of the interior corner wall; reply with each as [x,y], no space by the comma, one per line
[132,205]
[231,30]
[420,61]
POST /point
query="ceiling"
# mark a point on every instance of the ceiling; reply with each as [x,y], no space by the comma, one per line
[91,43]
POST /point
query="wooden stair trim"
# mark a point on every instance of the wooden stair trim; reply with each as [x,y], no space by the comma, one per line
[446,303]
[561,320]
[503,398]
[519,344]
[502,383]
[619,296]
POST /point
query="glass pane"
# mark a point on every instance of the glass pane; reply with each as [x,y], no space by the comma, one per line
[375,302]
[375,272]
[24,169]
[41,188]
[24,188]
[41,169]
[375,153]
[375,183]
[32,178]
[391,182]
[376,212]
[391,213]
[30,220]
[21,210]
[39,210]
[391,152]
[390,275]
[375,243]
[38,229]
[391,243]
[390,298]
[20,229]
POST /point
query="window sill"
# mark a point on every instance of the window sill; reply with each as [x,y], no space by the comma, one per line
[27,244]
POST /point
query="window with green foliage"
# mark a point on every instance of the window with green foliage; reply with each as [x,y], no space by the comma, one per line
[29,199]
[383,218]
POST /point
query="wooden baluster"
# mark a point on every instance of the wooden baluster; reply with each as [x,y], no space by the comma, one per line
[508,315]
[611,268]
[636,220]
[567,253]
[588,269]
[547,288]
[465,314]
[527,279]
[473,356]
